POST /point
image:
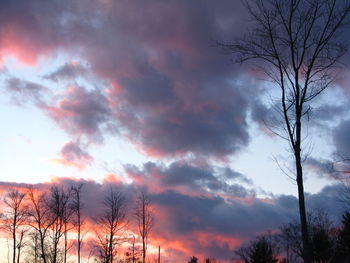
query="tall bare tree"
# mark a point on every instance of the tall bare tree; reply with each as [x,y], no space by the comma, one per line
[111,226]
[134,252]
[144,216]
[322,238]
[14,218]
[77,207]
[298,42]
[58,209]
[33,245]
[40,219]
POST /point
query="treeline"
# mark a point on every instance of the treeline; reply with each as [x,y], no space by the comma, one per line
[329,244]
[51,226]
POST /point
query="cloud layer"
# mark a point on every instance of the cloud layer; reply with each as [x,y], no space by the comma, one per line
[206,225]
[157,88]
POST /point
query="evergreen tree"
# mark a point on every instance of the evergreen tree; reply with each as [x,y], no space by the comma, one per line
[343,243]
[193,260]
[259,251]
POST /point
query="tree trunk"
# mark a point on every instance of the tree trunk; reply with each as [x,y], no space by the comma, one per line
[79,238]
[302,212]
[133,250]
[43,255]
[14,244]
[144,250]
[110,248]
[18,254]
[65,243]
[301,199]
[143,231]
[79,243]
[36,249]
[158,254]
[20,246]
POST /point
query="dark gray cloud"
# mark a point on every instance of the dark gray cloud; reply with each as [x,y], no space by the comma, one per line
[25,92]
[191,178]
[341,139]
[82,112]
[191,220]
[172,92]
[237,219]
[204,213]
[68,71]
[260,112]
[176,100]
[329,199]
[329,113]
[321,167]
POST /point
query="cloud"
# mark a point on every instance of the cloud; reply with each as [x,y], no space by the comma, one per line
[72,154]
[184,216]
[81,113]
[27,29]
[173,93]
[190,179]
[341,138]
[321,167]
[68,71]
[211,226]
[25,92]
[329,113]
[173,100]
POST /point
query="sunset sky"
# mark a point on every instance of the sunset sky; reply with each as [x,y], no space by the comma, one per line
[136,94]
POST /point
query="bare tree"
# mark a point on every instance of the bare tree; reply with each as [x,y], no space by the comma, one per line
[40,219]
[33,245]
[58,209]
[14,218]
[77,209]
[111,226]
[322,238]
[134,252]
[299,45]
[144,216]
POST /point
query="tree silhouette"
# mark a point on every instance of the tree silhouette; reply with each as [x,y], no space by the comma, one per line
[33,245]
[322,238]
[322,246]
[13,219]
[343,242]
[111,225]
[144,216]
[40,219]
[260,250]
[193,259]
[58,204]
[77,207]
[298,43]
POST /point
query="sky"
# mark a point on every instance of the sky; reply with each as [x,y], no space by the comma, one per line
[136,94]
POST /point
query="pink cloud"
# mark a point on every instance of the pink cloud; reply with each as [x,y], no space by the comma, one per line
[72,154]
[81,113]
